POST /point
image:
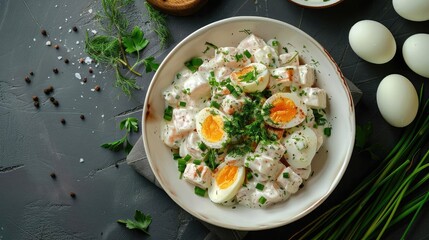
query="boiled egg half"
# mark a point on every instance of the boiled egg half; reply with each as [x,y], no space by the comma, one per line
[301,146]
[226,182]
[286,110]
[210,127]
[251,78]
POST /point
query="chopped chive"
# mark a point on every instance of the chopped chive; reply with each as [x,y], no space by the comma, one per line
[182,104]
[327,131]
[202,146]
[248,54]
[181,165]
[262,200]
[214,104]
[199,191]
[260,186]
[285,175]
[176,156]
[232,90]
[249,176]
[187,157]
[168,113]
[197,162]
[193,64]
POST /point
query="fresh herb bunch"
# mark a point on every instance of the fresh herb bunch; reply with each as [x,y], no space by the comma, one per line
[119,42]
[141,222]
[160,25]
[393,191]
[130,125]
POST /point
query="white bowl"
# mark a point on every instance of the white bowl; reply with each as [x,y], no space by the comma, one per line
[316,3]
[329,164]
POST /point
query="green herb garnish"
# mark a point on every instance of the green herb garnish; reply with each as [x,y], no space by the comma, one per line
[260,186]
[168,113]
[141,222]
[130,125]
[285,175]
[210,159]
[262,200]
[194,63]
[246,31]
[199,191]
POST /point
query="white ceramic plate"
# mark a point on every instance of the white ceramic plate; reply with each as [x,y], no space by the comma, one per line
[316,3]
[328,165]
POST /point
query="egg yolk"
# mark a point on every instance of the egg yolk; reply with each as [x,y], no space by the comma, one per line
[283,110]
[242,72]
[212,128]
[226,176]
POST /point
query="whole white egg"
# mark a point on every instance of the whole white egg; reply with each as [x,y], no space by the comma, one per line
[397,100]
[416,53]
[414,10]
[372,41]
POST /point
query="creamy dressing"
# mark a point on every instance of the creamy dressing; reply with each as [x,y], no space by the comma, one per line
[203,102]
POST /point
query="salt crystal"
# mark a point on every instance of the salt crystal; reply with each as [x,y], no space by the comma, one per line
[90,10]
[88,60]
[48,43]
[77,42]
[78,76]
[81,160]
[60,27]
[60,57]
[94,31]
[70,30]
[34,39]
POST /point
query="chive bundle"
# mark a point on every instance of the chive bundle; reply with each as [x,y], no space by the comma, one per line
[393,191]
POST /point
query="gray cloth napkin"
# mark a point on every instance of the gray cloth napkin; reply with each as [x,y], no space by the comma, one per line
[138,160]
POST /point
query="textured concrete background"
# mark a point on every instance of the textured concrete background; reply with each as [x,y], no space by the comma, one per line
[33,142]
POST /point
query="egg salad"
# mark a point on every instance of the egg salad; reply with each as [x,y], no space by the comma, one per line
[245,124]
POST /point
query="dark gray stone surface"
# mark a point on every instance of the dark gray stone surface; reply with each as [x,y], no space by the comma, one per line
[34,143]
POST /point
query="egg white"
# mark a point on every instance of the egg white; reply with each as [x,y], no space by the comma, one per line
[301,146]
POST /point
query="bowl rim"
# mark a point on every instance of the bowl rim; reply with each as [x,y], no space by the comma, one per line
[348,151]
[306,4]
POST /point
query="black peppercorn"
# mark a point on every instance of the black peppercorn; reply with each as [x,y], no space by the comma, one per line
[63,121]
[81,60]
[43,32]
[32,73]
[85,79]
[66,61]
[97,88]
[53,175]
[36,104]
[27,80]
[55,70]
[56,46]
[56,103]
[90,70]
[52,99]
[75,29]
[72,194]
[35,98]
[82,117]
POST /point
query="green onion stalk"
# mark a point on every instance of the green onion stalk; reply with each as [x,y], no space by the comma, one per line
[392,192]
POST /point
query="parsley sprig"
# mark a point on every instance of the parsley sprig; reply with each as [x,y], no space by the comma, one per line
[130,125]
[141,222]
[118,43]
